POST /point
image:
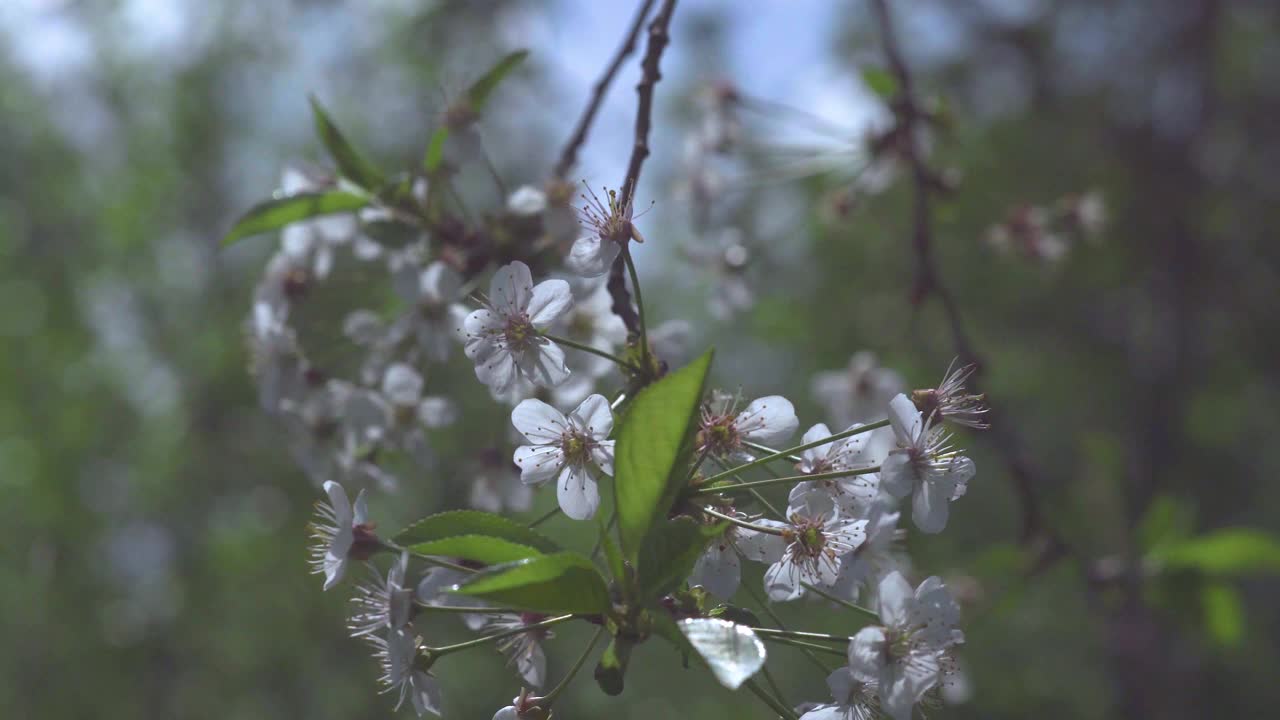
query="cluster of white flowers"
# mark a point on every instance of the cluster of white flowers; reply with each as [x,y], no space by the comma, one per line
[1046,233]
[553,350]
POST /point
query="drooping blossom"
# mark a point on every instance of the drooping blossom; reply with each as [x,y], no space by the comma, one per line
[340,532]
[924,465]
[384,603]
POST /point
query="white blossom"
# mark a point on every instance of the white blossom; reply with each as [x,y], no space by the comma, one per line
[336,531]
[434,312]
[527,200]
[858,393]
[383,603]
[496,485]
[906,656]
[876,557]
[853,699]
[522,650]
[398,653]
[505,341]
[719,569]
[816,538]
[606,229]
[924,466]
[852,494]
[568,448]
[951,402]
[766,421]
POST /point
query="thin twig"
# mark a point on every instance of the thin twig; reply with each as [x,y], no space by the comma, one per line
[569,156]
[659,36]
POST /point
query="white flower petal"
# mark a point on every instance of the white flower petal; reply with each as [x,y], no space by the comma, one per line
[897,600]
[539,422]
[758,546]
[538,463]
[897,476]
[602,456]
[424,691]
[591,256]
[866,653]
[594,416]
[930,505]
[768,420]
[338,501]
[906,420]
[577,492]
[511,288]
[402,385]
[782,581]
[718,570]
[498,371]
[550,299]
[543,364]
[439,283]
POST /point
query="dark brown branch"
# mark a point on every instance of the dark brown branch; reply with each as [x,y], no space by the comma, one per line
[569,156]
[659,36]
[1046,544]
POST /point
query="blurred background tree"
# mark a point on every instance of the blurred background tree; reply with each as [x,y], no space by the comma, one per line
[154,557]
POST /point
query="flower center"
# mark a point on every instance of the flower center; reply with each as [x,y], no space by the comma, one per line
[719,435]
[576,447]
[520,332]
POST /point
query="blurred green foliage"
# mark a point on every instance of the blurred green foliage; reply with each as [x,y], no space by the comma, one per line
[153,563]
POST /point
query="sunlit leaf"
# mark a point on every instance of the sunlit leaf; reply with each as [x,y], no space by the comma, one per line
[279,212]
[1223,613]
[654,432]
[350,163]
[564,582]
[481,548]
[1232,551]
[732,651]
[435,150]
[880,81]
[472,522]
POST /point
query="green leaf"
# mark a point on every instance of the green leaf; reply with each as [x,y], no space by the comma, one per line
[1232,551]
[732,651]
[564,582]
[670,551]
[472,522]
[435,150]
[278,212]
[479,92]
[481,548]
[654,433]
[880,81]
[350,163]
[1223,613]
[613,557]
[1167,520]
